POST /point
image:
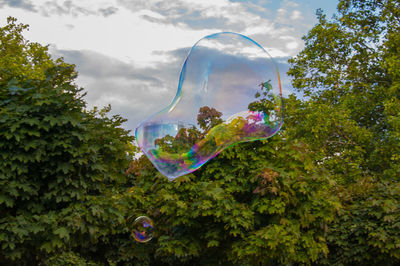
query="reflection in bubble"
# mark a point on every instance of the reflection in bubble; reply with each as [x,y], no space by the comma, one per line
[229,91]
[142,229]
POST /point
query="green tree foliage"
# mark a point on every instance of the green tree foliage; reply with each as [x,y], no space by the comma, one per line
[349,69]
[58,162]
[251,204]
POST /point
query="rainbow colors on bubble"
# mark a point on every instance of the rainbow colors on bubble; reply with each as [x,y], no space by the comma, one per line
[142,229]
[229,91]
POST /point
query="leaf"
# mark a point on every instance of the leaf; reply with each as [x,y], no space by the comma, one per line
[62,232]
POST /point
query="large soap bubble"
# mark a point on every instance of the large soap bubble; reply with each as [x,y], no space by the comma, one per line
[229,92]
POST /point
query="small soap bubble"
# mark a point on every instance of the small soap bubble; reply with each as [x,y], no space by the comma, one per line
[142,229]
[229,91]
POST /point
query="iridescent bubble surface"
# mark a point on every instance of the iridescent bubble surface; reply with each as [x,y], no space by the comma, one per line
[229,92]
[142,229]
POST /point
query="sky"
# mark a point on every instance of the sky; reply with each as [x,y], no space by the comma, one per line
[129,53]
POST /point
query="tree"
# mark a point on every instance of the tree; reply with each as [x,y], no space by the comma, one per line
[349,72]
[208,118]
[248,206]
[59,162]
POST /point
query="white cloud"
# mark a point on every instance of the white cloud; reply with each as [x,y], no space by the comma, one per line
[292,45]
[296,14]
[291,3]
[281,11]
[126,36]
[132,30]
